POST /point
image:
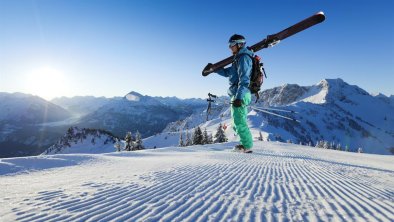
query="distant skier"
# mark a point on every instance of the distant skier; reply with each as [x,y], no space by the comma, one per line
[239,77]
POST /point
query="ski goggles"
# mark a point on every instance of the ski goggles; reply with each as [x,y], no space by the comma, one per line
[233,43]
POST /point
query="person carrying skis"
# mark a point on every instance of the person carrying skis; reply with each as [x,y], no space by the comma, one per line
[239,78]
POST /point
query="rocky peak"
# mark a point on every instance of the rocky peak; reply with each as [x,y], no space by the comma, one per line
[282,95]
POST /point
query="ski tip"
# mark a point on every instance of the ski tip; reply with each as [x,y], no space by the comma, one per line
[321,16]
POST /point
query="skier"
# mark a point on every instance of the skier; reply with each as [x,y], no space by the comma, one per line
[239,77]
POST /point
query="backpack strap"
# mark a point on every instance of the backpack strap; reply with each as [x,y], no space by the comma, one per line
[237,57]
[252,58]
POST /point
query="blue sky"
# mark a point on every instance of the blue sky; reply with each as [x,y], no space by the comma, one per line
[107,48]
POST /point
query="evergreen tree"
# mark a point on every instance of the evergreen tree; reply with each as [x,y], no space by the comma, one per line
[129,141]
[181,143]
[70,132]
[332,145]
[188,139]
[326,145]
[138,142]
[118,145]
[210,138]
[197,136]
[205,137]
[347,148]
[339,147]
[220,137]
[321,144]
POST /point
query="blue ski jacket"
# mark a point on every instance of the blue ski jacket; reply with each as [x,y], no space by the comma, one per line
[239,73]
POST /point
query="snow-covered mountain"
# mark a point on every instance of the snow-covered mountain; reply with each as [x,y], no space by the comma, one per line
[134,111]
[181,103]
[81,105]
[17,108]
[277,182]
[389,100]
[335,111]
[331,110]
[23,130]
[23,124]
[83,141]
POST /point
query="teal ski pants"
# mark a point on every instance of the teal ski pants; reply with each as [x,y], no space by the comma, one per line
[240,124]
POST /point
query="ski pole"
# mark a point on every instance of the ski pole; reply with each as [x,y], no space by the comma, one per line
[275,114]
[279,110]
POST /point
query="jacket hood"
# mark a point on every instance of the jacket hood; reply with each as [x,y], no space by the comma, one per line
[244,50]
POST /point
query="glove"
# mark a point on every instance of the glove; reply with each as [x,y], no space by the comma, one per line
[206,69]
[237,103]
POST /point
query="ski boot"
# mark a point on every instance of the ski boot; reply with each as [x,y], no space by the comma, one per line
[241,148]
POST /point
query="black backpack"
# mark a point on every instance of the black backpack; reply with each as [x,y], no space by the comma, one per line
[257,75]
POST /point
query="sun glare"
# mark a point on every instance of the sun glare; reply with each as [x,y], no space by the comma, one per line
[46,82]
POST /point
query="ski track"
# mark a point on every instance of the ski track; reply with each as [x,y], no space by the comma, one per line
[263,186]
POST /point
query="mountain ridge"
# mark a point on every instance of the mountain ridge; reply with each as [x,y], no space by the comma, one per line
[330,110]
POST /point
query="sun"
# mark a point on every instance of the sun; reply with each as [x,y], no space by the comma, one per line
[46,82]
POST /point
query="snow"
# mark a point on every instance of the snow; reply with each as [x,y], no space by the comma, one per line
[132,97]
[164,139]
[86,146]
[137,99]
[34,163]
[316,94]
[202,183]
[19,107]
[83,141]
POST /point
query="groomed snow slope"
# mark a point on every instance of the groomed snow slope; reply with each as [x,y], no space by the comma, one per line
[202,183]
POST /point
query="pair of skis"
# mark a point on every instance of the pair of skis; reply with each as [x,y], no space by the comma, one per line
[271,40]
